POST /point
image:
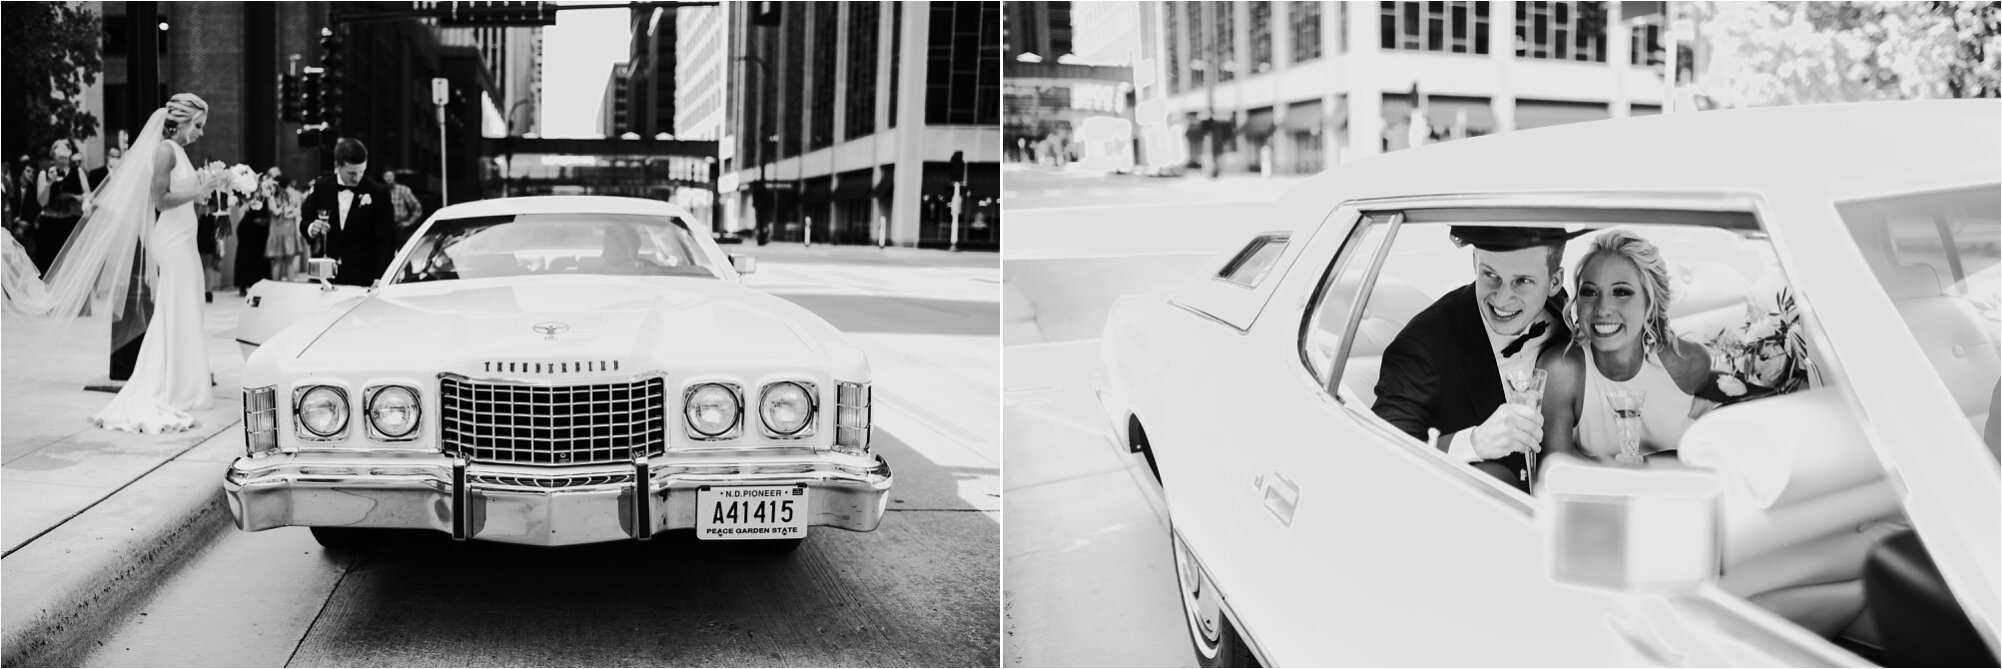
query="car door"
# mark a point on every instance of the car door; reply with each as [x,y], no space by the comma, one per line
[1373,548]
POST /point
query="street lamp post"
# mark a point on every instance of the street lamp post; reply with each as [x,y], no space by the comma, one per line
[764,184]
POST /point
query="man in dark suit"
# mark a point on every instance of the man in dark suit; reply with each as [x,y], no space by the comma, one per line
[111,157]
[1443,371]
[350,218]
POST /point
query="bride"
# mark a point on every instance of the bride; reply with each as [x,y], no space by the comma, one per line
[93,269]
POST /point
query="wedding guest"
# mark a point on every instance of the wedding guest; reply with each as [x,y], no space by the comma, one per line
[409,212]
[253,232]
[285,250]
[60,191]
[212,227]
[111,157]
[1621,341]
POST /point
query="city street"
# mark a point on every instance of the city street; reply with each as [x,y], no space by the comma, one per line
[919,591]
[1090,579]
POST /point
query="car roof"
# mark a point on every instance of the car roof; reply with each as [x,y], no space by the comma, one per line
[565,204]
[1840,150]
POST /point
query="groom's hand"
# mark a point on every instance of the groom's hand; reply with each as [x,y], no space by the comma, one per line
[316,228]
[1511,428]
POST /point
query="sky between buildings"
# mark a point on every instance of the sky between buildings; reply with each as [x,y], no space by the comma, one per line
[577,54]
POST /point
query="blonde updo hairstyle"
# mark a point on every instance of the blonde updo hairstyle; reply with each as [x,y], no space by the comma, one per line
[1654,284]
[184,108]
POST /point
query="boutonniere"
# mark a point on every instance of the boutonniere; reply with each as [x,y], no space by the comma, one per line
[364,199]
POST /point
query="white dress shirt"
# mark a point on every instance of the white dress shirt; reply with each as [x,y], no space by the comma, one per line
[1461,447]
[346,197]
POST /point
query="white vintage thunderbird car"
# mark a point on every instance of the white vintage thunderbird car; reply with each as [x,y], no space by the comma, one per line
[552,371]
[1852,522]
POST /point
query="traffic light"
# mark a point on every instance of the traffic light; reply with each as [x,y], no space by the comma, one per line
[309,96]
[460,14]
[333,88]
[288,97]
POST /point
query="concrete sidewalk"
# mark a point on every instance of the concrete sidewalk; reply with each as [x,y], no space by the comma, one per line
[89,517]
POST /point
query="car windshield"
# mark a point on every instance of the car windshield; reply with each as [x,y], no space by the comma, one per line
[1938,256]
[538,244]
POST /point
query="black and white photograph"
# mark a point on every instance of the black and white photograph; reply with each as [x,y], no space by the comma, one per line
[1501,334]
[501,333]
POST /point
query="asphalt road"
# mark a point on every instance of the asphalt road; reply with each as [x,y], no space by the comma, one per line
[922,590]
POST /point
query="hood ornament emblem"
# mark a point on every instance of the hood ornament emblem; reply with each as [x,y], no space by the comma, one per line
[549,329]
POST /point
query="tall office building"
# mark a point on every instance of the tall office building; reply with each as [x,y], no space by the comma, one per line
[700,67]
[1037,27]
[861,106]
[612,110]
[1299,86]
[650,60]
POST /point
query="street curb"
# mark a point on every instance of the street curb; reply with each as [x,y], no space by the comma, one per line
[69,585]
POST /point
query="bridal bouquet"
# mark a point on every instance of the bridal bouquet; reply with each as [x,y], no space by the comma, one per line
[1767,357]
[241,179]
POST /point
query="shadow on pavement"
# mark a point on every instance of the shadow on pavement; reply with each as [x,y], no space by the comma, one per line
[921,590]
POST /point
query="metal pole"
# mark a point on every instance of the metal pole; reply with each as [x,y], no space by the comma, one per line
[957,207]
[444,173]
[1210,70]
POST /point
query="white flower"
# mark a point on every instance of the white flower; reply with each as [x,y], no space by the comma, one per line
[364,200]
[1762,328]
[1731,386]
[242,179]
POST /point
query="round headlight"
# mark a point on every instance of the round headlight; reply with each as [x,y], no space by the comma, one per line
[712,409]
[786,407]
[324,411]
[393,411]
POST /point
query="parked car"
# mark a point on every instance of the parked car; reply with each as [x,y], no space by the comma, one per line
[1850,522]
[552,371]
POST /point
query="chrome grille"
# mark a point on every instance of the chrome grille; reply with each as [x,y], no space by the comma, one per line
[579,480]
[538,424]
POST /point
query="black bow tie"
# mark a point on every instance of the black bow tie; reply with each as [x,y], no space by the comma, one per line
[344,187]
[1535,331]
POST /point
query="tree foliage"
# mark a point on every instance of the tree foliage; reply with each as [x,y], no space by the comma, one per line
[1778,53]
[49,52]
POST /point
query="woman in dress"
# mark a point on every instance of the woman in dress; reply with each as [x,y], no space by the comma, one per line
[1621,341]
[285,248]
[253,230]
[171,375]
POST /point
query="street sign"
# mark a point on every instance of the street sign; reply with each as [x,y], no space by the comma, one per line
[441,90]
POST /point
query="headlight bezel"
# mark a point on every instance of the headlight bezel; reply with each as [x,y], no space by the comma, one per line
[305,431]
[736,428]
[375,432]
[807,427]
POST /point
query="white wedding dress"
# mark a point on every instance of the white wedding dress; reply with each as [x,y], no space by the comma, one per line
[172,374]
[91,275]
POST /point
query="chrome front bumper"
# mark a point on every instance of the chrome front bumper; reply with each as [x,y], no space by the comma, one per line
[547,506]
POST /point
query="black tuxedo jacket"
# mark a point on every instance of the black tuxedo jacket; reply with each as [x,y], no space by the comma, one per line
[1439,373]
[366,242]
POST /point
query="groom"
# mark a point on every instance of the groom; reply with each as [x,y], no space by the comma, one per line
[1443,372]
[349,218]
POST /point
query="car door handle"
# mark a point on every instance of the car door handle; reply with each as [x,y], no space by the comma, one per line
[1282,497]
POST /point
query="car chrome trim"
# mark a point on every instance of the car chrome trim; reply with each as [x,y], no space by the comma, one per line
[260,420]
[1364,292]
[859,397]
[1692,201]
[634,377]
[368,413]
[1258,242]
[642,500]
[299,424]
[688,424]
[632,415]
[1207,316]
[460,507]
[807,429]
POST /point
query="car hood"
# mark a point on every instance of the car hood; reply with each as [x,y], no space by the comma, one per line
[653,322]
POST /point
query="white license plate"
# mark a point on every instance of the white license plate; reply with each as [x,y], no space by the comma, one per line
[750,512]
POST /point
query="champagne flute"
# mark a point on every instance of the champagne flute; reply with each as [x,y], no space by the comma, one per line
[1525,387]
[1626,406]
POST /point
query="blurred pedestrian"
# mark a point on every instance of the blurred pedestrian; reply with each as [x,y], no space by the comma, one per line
[408,211]
[285,249]
[111,157]
[60,191]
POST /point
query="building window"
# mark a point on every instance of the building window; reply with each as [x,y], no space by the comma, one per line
[1261,37]
[1561,30]
[1645,43]
[1308,157]
[826,29]
[1199,45]
[1226,39]
[963,77]
[864,18]
[1172,29]
[794,75]
[1306,18]
[1451,27]
[896,55]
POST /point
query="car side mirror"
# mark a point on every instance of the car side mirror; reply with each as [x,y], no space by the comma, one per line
[322,270]
[1630,530]
[743,264]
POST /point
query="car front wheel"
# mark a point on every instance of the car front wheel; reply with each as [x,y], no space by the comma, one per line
[1216,641]
[345,538]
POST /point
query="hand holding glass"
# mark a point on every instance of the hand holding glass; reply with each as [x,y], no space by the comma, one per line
[1525,387]
[1626,406]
